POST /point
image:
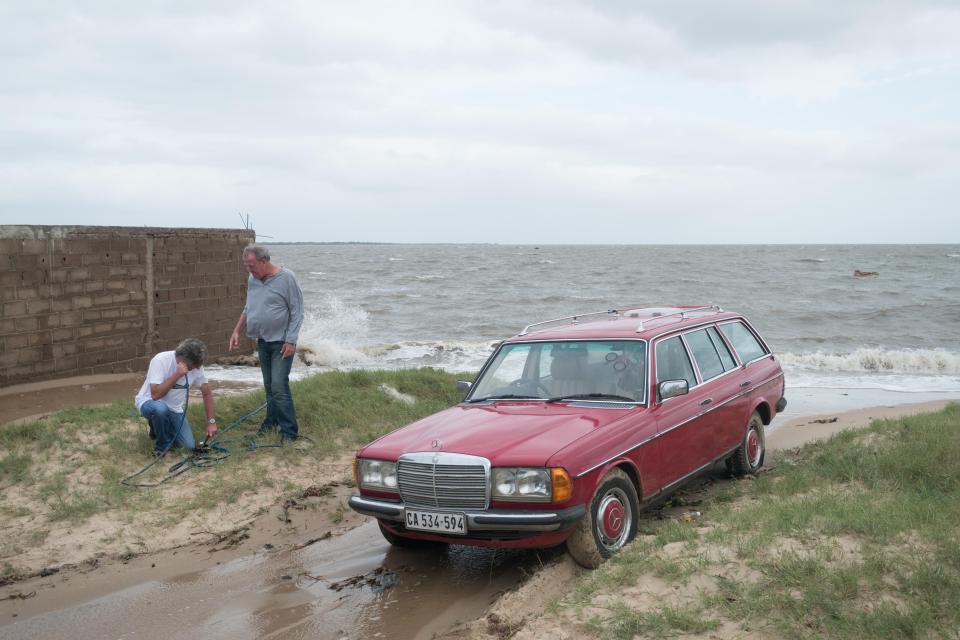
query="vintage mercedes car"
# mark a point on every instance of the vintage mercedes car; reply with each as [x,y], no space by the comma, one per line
[571,426]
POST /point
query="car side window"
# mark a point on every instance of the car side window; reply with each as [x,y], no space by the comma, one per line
[744,342]
[673,362]
[725,357]
[705,354]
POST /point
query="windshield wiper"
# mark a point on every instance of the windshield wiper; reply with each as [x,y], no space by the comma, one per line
[592,396]
[506,396]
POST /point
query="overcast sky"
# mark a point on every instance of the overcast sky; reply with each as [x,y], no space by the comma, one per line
[513,121]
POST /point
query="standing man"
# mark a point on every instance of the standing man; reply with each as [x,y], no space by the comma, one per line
[272,316]
[163,396]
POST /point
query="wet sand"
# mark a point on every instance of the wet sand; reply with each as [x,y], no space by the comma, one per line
[24,402]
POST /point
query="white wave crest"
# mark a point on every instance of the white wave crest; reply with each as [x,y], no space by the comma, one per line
[451,356]
[915,361]
[327,353]
[333,333]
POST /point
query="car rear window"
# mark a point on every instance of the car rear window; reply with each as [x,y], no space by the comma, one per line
[705,353]
[673,362]
[744,342]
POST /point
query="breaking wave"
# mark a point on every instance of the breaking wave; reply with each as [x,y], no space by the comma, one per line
[867,360]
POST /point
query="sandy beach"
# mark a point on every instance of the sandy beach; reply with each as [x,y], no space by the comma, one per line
[102,548]
[811,414]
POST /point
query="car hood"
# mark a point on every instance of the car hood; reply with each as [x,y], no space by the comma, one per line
[507,433]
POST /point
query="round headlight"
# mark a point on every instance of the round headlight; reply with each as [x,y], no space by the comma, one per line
[505,482]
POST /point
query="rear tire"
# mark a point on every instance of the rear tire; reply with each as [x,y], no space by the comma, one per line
[406,543]
[609,524]
[748,459]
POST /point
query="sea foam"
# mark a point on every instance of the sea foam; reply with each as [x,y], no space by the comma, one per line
[876,360]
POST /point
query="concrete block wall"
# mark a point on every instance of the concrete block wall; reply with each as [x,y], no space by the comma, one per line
[87,300]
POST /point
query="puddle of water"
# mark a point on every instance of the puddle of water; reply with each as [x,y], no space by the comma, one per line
[351,586]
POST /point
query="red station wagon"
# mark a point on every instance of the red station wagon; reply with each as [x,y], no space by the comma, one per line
[571,426]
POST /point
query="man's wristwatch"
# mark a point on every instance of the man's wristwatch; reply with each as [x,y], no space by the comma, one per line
[211,421]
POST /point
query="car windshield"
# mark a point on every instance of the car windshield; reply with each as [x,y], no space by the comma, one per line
[577,370]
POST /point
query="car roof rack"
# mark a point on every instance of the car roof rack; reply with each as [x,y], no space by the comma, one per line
[593,315]
[572,319]
[681,311]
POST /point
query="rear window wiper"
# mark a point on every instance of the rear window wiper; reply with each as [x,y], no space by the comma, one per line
[593,396]
[506,396]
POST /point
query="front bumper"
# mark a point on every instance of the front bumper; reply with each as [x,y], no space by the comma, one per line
[507,520]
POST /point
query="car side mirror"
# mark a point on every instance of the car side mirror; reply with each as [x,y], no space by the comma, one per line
[673,388]
[464,385]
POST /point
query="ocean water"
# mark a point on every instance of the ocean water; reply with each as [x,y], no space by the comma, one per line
[392,306]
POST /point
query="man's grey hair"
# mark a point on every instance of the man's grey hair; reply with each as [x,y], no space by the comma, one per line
[258,251]
[193,351]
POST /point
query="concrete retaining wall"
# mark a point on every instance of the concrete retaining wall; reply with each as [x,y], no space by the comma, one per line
[88,300]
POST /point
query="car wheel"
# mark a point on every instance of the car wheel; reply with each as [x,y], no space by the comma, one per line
[406,543]
[610,521]
[748,459]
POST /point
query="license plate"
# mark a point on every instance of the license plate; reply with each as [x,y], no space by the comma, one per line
[433,521]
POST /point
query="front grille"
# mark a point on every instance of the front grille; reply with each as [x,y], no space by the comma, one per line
[442,486]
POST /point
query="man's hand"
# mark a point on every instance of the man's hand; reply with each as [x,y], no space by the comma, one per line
[289,348]
[234,341]
[182,369]
[211,431]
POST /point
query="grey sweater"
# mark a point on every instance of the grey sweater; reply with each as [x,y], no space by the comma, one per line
[274,307]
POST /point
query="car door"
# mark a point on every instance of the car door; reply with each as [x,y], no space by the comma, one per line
[682,426]
[718,372]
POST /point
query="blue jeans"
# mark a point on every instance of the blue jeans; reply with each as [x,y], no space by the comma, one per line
[276,383]
[169,427]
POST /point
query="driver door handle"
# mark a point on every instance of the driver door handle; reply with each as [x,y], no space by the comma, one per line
[746,384]
[706,402]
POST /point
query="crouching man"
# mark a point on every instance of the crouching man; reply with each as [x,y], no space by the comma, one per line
[163,396]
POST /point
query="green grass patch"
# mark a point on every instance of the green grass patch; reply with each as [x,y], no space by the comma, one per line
[856,537]
[661,622]
[14,468]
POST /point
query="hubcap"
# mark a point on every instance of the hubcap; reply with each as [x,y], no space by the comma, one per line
[613,520]
[753,447]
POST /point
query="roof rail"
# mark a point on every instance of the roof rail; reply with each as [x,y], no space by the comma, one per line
[573,319]
[680,312]
[617,312]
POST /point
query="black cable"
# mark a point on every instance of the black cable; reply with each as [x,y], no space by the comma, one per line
[202,456]
[159,456]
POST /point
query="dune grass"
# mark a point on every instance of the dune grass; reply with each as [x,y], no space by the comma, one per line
[856,537]
[67,467]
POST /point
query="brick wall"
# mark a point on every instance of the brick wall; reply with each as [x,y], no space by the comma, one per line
[85,300]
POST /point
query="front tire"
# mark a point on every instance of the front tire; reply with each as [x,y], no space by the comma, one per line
[748,459]
[609,524]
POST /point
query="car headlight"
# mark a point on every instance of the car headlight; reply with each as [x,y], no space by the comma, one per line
[530,484]
[379,475]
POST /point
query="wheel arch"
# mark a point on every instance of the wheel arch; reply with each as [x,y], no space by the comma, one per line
[763,410]
[628,467]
